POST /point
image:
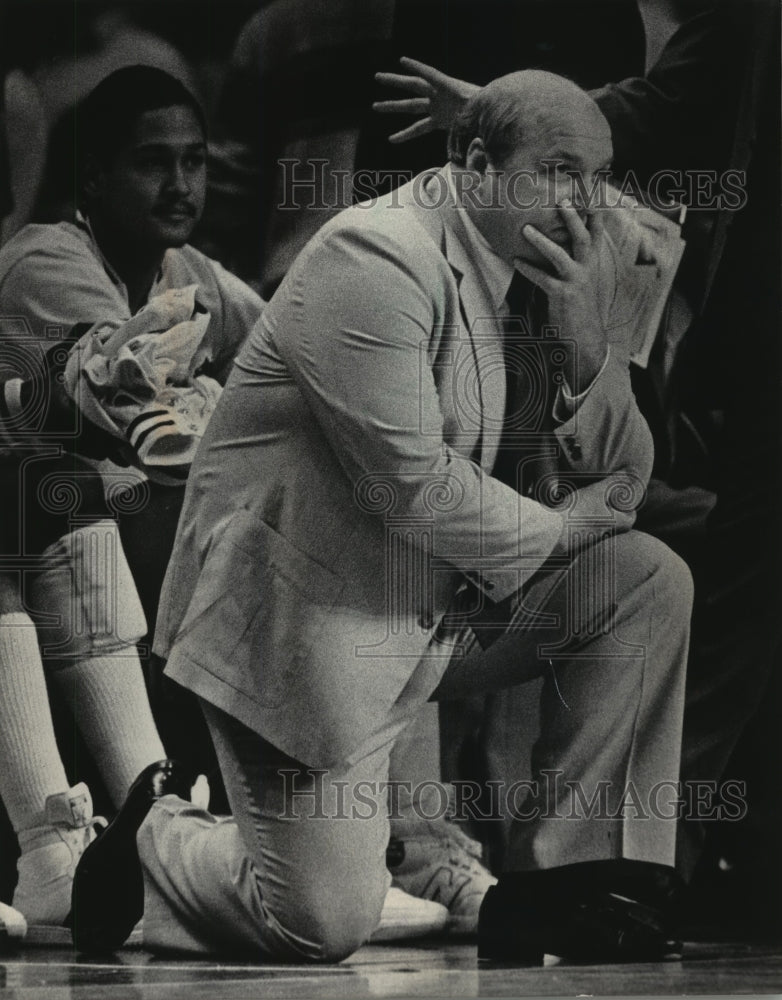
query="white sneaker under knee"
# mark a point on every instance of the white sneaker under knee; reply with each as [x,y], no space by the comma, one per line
[406,916]
[50,853]
[13,927]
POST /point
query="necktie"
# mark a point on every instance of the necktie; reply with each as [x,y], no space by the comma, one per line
[527,454]
[528,449]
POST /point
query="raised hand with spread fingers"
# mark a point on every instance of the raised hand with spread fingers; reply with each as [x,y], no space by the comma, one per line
[436,97]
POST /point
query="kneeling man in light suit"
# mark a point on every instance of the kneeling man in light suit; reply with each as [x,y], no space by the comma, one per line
[420,481]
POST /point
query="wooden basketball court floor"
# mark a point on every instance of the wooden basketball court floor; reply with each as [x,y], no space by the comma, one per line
[430,969]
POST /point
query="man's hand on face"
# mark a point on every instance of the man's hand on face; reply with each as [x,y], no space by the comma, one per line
[571,287]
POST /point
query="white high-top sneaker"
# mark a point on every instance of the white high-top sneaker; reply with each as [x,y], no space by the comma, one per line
[50,854]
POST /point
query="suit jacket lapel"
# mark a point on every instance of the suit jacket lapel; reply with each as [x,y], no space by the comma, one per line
[478,320]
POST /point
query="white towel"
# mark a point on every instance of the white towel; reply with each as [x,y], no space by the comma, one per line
[137,380]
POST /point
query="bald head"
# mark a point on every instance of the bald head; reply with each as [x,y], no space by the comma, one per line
[526,144]
[521,109]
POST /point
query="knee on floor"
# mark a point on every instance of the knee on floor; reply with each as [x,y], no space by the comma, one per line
[334,927]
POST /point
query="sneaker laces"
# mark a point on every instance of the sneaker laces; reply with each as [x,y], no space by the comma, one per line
[457,839]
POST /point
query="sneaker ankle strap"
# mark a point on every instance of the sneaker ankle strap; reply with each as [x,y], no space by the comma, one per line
[72,808]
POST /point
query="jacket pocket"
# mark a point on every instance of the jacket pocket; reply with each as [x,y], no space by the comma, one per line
[257,610]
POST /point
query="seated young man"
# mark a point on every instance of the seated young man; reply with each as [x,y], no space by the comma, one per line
[142,162]
[142,165]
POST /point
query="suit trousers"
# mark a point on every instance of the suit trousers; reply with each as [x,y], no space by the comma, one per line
[298,873]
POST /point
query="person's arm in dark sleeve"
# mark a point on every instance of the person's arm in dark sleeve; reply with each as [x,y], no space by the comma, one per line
[661,119]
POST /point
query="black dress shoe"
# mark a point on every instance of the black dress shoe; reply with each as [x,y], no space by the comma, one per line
[108,886]
[602,911]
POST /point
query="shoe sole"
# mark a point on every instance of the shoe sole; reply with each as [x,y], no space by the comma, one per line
[108,884]
[47,936]
[406,931]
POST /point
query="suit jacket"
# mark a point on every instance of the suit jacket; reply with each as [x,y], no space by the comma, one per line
[342,490]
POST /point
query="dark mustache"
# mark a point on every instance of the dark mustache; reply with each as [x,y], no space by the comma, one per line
[176,206]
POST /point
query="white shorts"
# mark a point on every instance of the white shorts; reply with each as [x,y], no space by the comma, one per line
[84,601]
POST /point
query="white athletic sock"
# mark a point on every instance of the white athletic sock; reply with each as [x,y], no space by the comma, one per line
[109,701]
[30,765]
